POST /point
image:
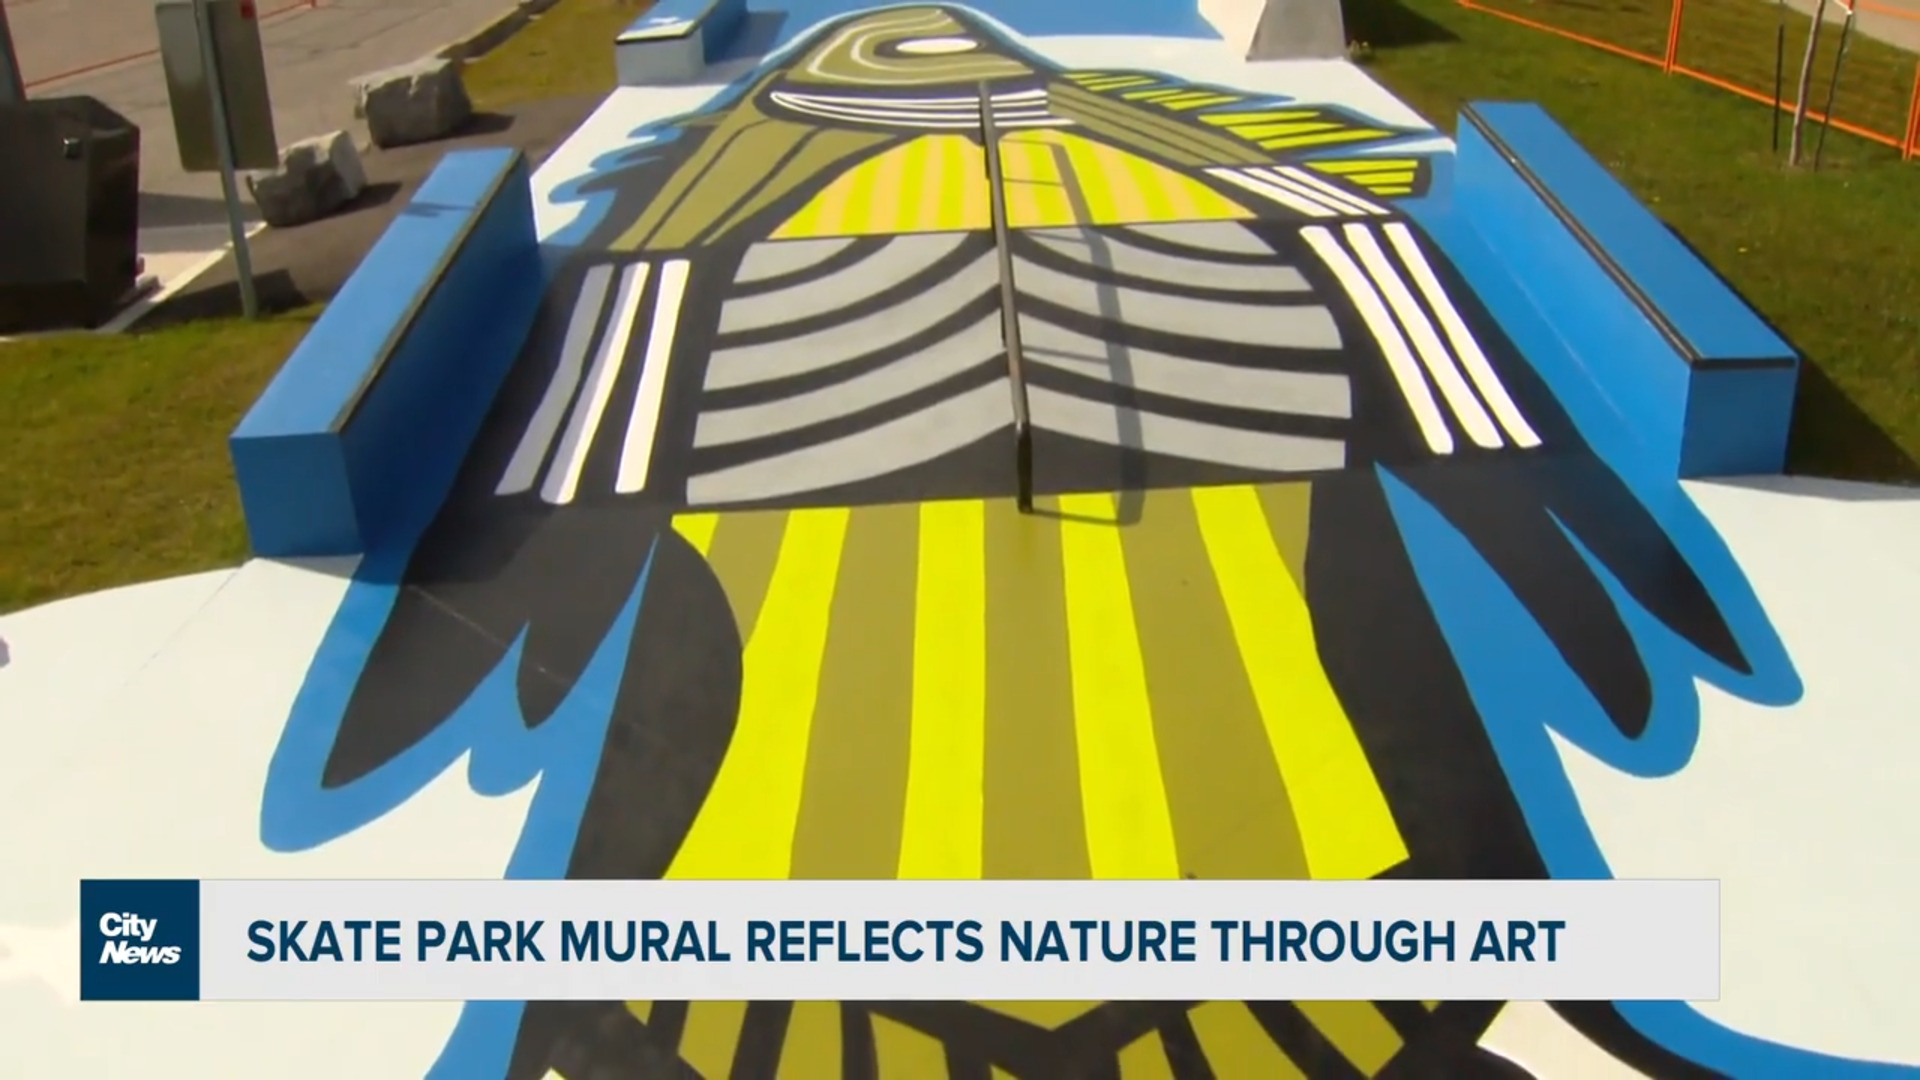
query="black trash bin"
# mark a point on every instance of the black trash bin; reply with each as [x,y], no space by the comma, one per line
[69,213]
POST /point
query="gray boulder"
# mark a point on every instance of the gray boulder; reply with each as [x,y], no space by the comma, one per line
[316,177]
[414,103]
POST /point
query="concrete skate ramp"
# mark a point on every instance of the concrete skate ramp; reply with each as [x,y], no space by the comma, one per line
[1342,436]
[1280,29]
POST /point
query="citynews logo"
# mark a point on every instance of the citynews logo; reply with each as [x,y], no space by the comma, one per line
[127,936]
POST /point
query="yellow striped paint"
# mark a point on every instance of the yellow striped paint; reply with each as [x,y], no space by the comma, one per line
[1145,1058]
[1237,1047]
[697,529]
[1102,84]
[1231,817]
[920,191]
[1152,192]
[1351,166]
[885,184]
[823,150]
[1050,1015]
[712,1035]
[1180,200]
[812,1047]
[1356,1029]
[1236,119]
[1346,827]
[1197,99]
[1257,132]
[1377,179]
[959,184]
[1386,176]
[1160,94]
[1129,828]
[800,578]
[742,550]
[937,183]
[641,1010]
[1122,188]
[1036,193]
[1323,138]
[1289,509]
[855,792]
[946,764]
[900,1051]
[746,827]
[1034,825]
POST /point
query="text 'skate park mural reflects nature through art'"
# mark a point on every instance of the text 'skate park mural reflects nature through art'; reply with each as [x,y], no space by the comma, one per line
[1326,579]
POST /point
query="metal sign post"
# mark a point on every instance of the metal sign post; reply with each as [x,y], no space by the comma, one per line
[229,182]
[13,88]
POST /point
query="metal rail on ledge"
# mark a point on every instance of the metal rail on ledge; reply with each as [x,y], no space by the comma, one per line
[1009,312]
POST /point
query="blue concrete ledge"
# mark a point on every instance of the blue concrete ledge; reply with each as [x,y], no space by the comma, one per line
[676,39]
[358,438]
[1694,370]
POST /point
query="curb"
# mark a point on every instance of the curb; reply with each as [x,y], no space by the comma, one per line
[493,33]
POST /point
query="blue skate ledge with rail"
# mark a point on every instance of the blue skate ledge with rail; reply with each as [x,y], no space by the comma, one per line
[1665,368]
[359,435]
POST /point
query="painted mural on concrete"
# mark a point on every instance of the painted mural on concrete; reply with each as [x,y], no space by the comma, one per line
[1326,582]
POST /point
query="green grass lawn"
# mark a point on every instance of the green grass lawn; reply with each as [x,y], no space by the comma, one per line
[566,52]
[113,452]
[1831,257]
[113,461]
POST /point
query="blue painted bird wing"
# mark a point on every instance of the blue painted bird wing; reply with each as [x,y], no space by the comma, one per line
[1485,442]
[511,557]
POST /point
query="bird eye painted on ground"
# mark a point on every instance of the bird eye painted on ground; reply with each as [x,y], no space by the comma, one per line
[734,566]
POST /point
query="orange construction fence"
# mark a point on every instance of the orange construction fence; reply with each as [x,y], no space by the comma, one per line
[1754,49]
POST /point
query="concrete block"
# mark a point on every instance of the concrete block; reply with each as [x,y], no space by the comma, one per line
[414,103]
[316,177]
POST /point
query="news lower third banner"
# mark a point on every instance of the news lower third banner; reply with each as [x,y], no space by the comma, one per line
[899,940]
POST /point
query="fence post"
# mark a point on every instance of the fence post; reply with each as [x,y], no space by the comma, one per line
[1673,37]
[1910,146]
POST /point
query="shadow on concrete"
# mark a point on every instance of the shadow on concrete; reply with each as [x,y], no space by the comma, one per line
[1385,24]
[372,198]
[485,123]
[275,288]
[158,211]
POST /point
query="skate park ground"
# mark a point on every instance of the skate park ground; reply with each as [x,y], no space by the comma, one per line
[1193,582]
